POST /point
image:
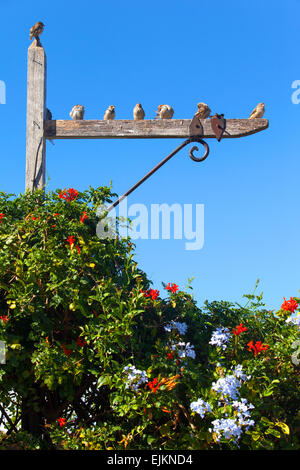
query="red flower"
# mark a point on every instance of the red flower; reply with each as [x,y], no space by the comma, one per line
[34,218]
[73,193]
[78,249]
[61,421]
[4,318]
[151,293]
[170,355]
[1,217]
[172,287]
[154,385]
[67,352]
[71,240]
[55,215]
[80,343]
[83,217]
[257,347]
[289,305]
[239,329]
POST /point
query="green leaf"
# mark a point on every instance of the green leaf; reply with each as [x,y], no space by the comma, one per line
[255,436]
[273,432]
[103,380]
[284,427]
[265,420]
[150,439]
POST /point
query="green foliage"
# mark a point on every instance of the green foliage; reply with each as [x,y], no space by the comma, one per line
[76,313]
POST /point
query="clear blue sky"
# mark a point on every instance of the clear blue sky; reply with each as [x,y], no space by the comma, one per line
[230,55]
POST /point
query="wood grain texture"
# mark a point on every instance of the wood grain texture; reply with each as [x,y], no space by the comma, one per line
[147,129]
[36,107]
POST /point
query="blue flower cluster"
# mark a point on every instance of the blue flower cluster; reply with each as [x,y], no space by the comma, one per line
[201,407]
[233,427]
[228,386]
[243,412]
[238,372]
[227,428]
[180,327]
[135,377]
[184,349]
[220,337]
[229,389]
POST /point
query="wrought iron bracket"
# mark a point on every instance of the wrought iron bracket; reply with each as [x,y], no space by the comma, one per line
[218,125]
[196,132]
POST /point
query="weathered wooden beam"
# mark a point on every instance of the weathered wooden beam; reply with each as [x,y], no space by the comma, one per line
[147,129]
[36,109]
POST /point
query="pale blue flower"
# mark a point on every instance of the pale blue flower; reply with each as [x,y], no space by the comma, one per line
[184,349]
[228,386]
[226,428]
[220,337]
[180,327]
[238,372]
[200,407]
[135,377]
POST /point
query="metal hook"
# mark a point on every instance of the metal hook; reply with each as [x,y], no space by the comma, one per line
[195,148]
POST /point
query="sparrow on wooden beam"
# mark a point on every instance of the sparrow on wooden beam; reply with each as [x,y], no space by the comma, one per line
[258,112]
[138,112]
[110,113]
[164,111]
[48,115]
[203,111]
[77,112]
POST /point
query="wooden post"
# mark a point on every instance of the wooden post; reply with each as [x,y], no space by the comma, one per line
[36,112]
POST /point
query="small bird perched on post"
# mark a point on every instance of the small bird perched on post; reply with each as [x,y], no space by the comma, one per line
[203,111]
[36,31]
[258,112]
[77,112]
[138,112]
[110,113]
[48,115]
[164,111]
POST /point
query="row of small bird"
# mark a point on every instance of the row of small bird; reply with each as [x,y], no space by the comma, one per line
[164,111]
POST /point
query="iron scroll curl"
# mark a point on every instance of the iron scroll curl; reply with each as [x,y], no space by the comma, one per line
[196,149]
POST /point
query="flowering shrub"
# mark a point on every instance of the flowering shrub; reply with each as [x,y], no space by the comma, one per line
[97,360]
